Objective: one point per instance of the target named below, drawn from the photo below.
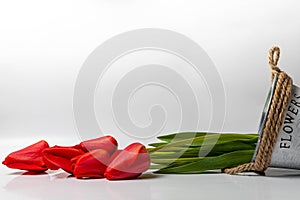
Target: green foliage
(197, 152)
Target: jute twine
(274, 119)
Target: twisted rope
(274, 119)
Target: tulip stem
(180, 152)
(213, 137)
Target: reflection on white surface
(59, 185)
(62, 186)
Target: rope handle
(274, 54)
(274, 119)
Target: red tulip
(60, 157)
(74, 160)
(114, 155)
(107, 143)
(54, 166)
(91, 164)
(129, 163)
(29, 158)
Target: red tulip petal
(71, 147)
(60, 157)
(129, 163)
(118, 175)
(49, 164)
(74, 160)
(114, 155)
(28, 167)
(91, 164)
(107, 143)
(28, 158)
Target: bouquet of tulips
(189, 152)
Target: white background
(44, 43)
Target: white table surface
(58, 185)
(278, 184)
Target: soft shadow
(149, 176)
(27, 173)
(142, 177)
(16, 173)
(179, 174)
(282, 173)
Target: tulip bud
(74, 160)
(29, 158)
(91, 164)
(114, 155)
(129, 163)
(50, 164)
(60, 157)
(107, 143)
